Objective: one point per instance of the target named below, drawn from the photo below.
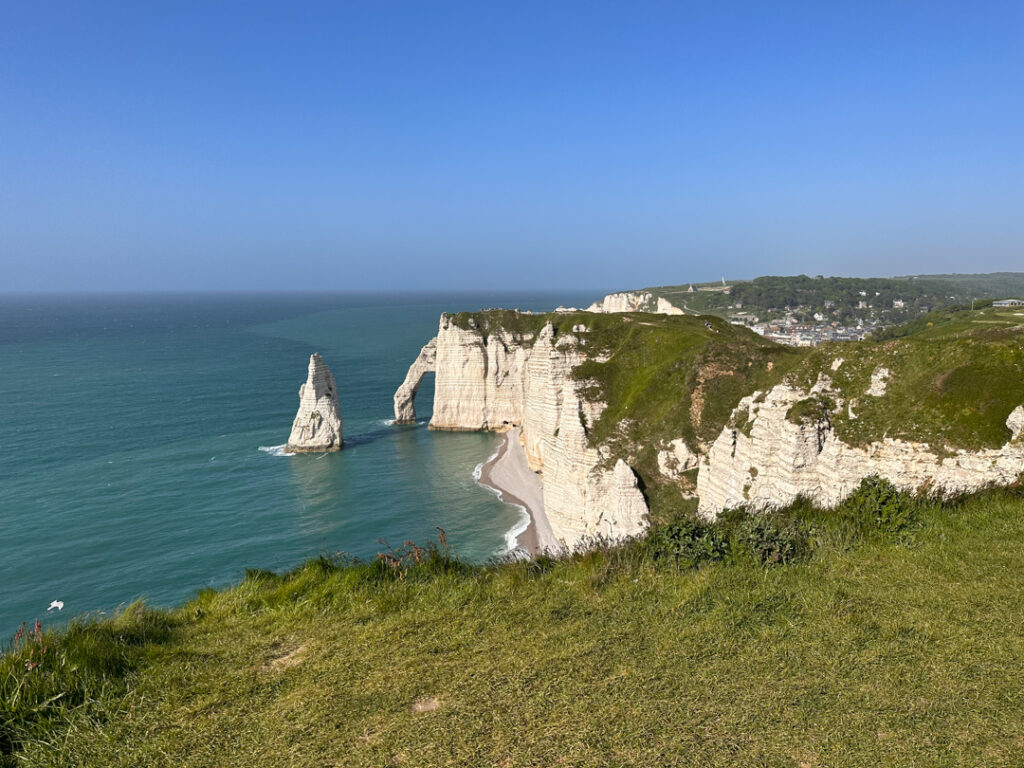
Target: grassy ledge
(797, 639)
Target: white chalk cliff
(772, 461)
(317, 425)
(405, 410)
(502, 380)
(634, 301)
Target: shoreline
(507, 474)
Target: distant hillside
(885, 301)
(993, 285)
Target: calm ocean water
(131, 434)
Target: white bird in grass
(58, 604)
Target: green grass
(955, 377)
(889, 644)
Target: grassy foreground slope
(879, 648)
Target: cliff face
(479, 383)
(317, 425)
(605, 399)
(496, 380)
(634, 301)
(777, 456)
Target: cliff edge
(633, 418)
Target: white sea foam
(275, 450)
(386, 422)
(478, 471)
(517, 530)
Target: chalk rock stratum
(317, 425)
(426, 360)
(504, 379)
(773, 461)
(634, 301)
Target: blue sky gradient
(437, 145)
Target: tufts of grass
(878, 634)
(49, 678)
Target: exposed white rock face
(317, 425)
(666, 307)
(676, 459)
(479, 382)
(582, 497)
(1015, 422)
(879, 382)
(780, 461)
(426, 360)
(505, 381)
(627, 301)
(634, 301)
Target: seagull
(58, 604)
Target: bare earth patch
(426, 704)
(288, 657)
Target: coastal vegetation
(950, 380)
(801, 638)
(847, 298)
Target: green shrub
(877, 504)
(688, 542)
(774, 541)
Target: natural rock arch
(405, 396)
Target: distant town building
(898, 304)
(1008, 303)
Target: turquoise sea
(138, 439)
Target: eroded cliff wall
(634, 301)
(777, 456)
(499, 379)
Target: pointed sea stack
(317, 425)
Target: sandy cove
(509, 474)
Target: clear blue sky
(432, 144)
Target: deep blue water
(131, 430)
